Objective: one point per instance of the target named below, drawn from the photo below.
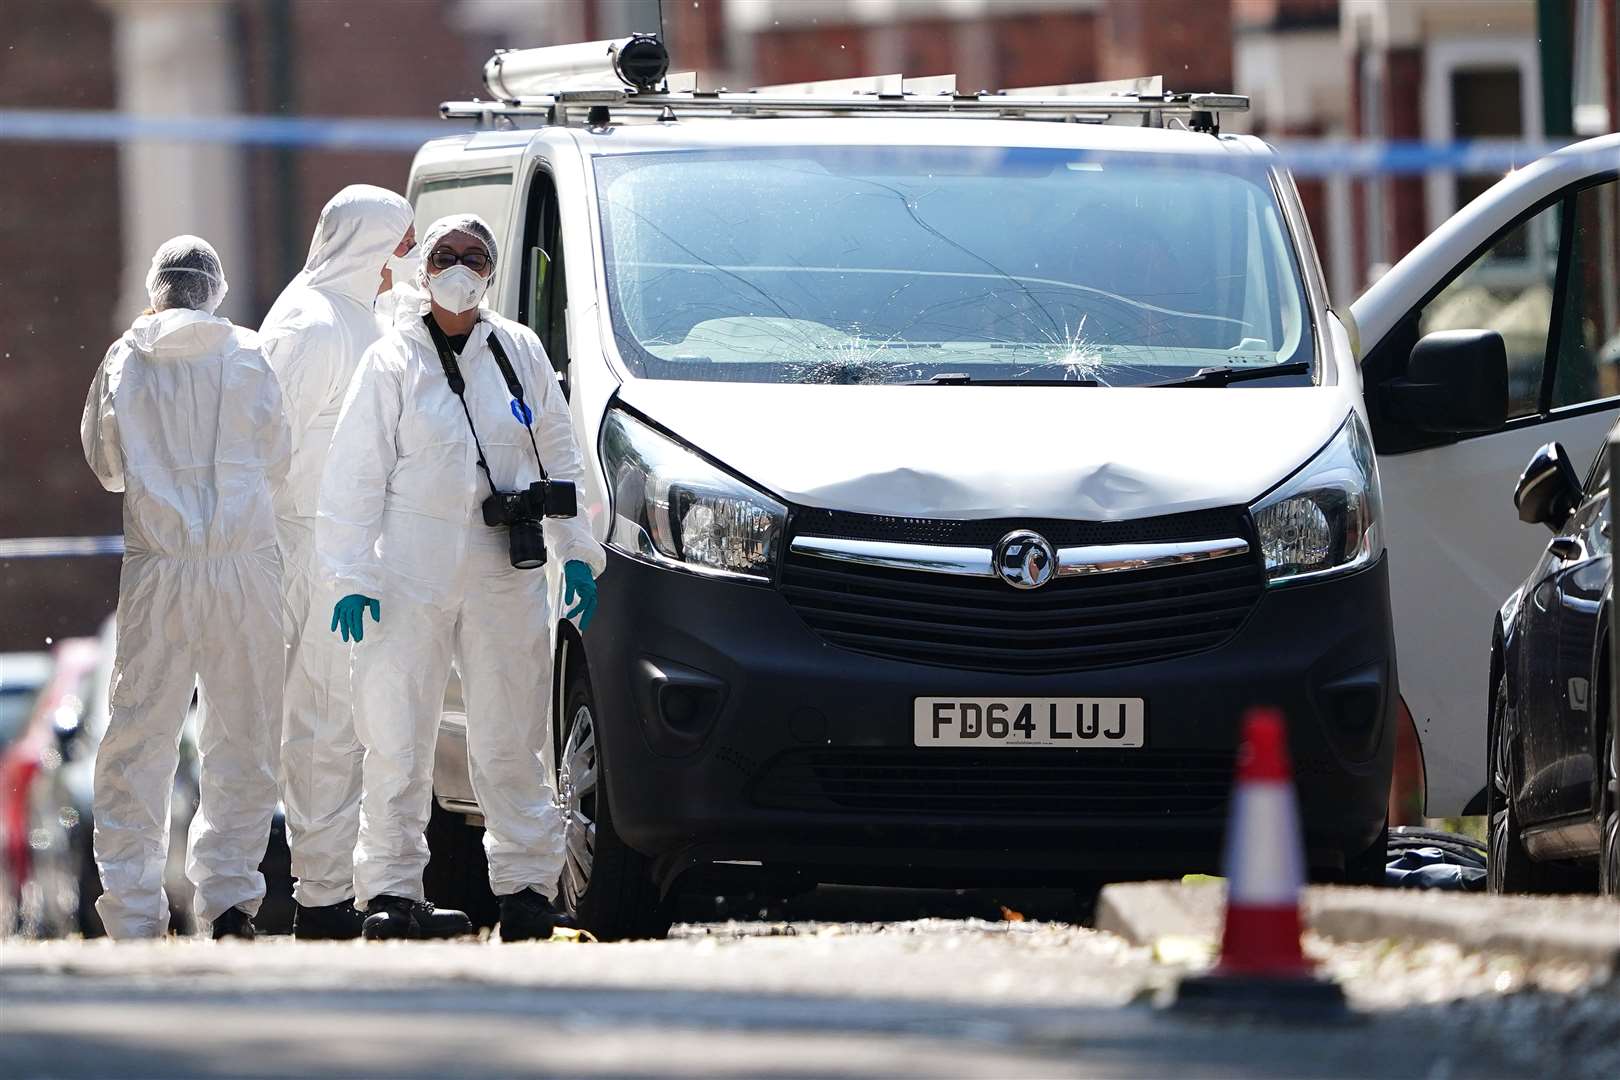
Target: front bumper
(715, 699)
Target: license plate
(1079, 723)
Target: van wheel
(606, 884)
(457, 874)
(1509, 867)
(1367, 867)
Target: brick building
(1439, 70)
(78, 221)
(60, 223)
(988, 44)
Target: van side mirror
(1456, 383)
(1548, 489)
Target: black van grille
(984, 532)
(1022, 782)
(1072, 624)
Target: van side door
(1546, 283)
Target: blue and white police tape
(303, 132)
(1304, 157)
(57, 547)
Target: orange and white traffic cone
(1262, 968)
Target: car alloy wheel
(576, 790)
(1509, 868)
(1609, 815)
(1501, 824)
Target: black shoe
(529, 916)
(235, 923)
(328, 922)
(391, 917)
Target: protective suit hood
(359, 228)
(180, 334)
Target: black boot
(235, 923)
(528, 916)
(390, 917)
(328, 922)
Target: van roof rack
(593, 108)
(592, 85)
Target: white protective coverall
(313, 338)
(400, 521)
(185, 418)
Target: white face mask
(457, 289)
(401, 267)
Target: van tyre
(1509, 867)
(606, 885)
(1367, 867)
(457, 874)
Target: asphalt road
(936, 997)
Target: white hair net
(186, 273)
(471, 224)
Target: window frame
(542, 228)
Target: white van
(965, 476)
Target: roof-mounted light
(639, 61)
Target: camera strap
(458, 386)
(520, 408)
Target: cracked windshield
(908, 265)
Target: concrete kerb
(1539, 929)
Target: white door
(1457, 548)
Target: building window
(1477, 88)
(1486, 103)
(1592, 73)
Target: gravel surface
(928, 997)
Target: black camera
(520, 513)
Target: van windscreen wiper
(962, 378)
(1223, 376)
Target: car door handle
(1564, 548)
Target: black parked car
(1554, 795)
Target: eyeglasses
(443, 258)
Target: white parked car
(1537, 258)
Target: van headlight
(672, 507)
(1324, 519)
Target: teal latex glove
(349, 614)
(581, 592)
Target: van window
(1550, 285)
(1588, 360)
(488, 195)
(543, 300)
(900, 264)
(1509, 289)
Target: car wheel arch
(1602, 713)
(1499, 677)
(568, 657)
